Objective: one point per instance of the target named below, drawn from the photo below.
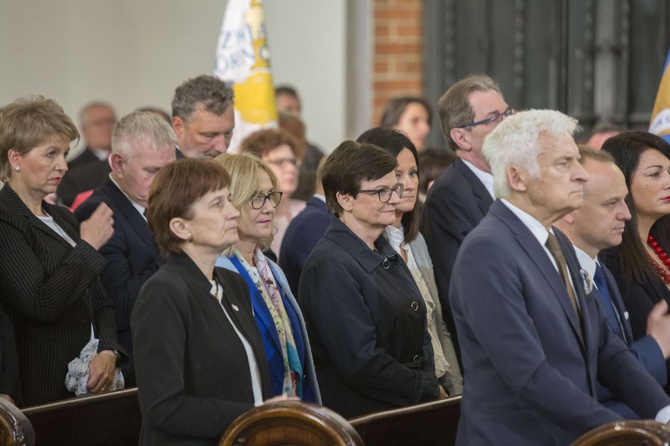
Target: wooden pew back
(111, 419)
(427, 424)
(290, 423)
(627, 433)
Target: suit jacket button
(415, 306)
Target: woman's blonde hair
(245, 184)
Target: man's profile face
(137, 172)
(205, 133)
(600, 222)
(559, 188)
(485, 104)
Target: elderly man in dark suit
(142, 143)
(598, 225)
(89, 169)
(469, 110)
(534, 344)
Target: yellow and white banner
(660, 116)
(243, 60)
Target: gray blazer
(453, 379)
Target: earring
(190, 237)
(17, 168)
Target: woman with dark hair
(406, 240)
(640, 264)
(49, 263)
(411, 115)
(254, 191)
(199, 358)
(364, 313)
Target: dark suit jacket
(51, 293)
(132, 256)
(367, 325)
(645, 349)
(454, 206)
(192, 370)
(302, 235)
(82, 178)
(530, 369)
(9, 360)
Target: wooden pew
(427, 424)
(290, 423)
(627, 433)
(111, 419)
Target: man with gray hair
(533, 346)
(203, 117)
(142, 143)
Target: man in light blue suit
(534, 346)
(599, 225)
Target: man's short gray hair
(516, 141)
(142, 126)
(207, 91)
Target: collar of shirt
(320, 197)
(485, 177)
(587, 263)
(533, 225)
(101, 154)
(340, 234)
(136, 205)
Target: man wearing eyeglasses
(469, 110)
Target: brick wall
(398, 63)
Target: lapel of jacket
(14, 203)
(128, 213)
(261, 310)
(247, 326)
(540, 258)
(484, 199)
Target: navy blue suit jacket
(645, 349)
(530, 370)
(302, 235)
(454, 206)
(132, 256)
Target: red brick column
(398, 62)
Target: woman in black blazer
(364, 313)
(49, 265)
(640, 264)
(199, 358)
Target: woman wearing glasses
(254, 193)
(407, 241)
(365, 315)
(278, 149)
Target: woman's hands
(101, 371)
(99, 228)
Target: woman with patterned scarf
(254, 193)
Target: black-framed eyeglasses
(259, 200)
(385, 193)
(495, 119)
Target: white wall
(134, 53)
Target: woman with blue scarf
(254, 193)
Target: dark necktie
(555, 250)
(606, 300)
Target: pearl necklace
(662, 268)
